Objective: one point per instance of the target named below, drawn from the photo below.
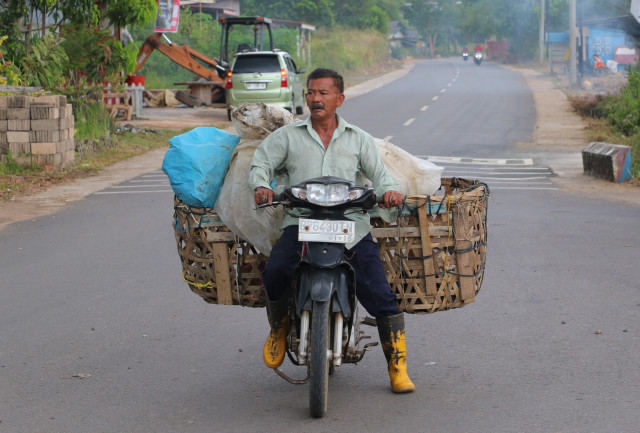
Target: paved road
(99, 333)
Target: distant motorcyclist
(598, 63)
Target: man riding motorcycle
(325, 144)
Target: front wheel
(319, 359)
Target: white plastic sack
(236, 203)
(414, 175)
(257, 120)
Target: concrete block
(607, 161)
(54, 159)
(68, 158)
(19, 101)
(3, 126)
(18, 136)
(3, 112)
(43, 148)
(23, 159)
(17, 149)
(3, 138)
(44, 136)
(46, 101)
(3, 102)
(18, 125)
(18, 114)
(45, 124)
(38, 113)
(64, 146)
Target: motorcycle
(323, 309)
(477, 58)
(465, 56)
(599, 66)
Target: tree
(318, 12)
(594, 9)
(427, 17)
(91, 30)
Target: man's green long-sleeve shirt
(298, 148)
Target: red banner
(168, 16)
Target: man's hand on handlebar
(264, 196)
(391, 199)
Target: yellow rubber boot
(392, 337)
(276, 345)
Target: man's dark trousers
(372, 288)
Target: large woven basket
(434, 255)
(216, 264)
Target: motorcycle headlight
(327, 195)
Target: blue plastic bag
(197, 162)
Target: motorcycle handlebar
(278, 199)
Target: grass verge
(16, 180)
(600, 129)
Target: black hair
(338, 81)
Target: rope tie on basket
(447, 298)
(207, 285)
(238, 265)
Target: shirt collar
(342, 124)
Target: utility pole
(541, 33)
(572, 43)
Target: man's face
(323, 98)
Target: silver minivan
(265, 76)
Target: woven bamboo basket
(433, 255)
(216, 264)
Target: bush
(623, 111)
(347, 50)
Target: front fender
(318, 284)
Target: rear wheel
(318, 360)
(188, 99)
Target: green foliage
(11, 166)
(43, 62)
(318, 12)
(348, 50)
(92, 121)
(9, 73)
(93, 53)
(119, 13)
(623, 111)
(86, 25)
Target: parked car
(265, 76)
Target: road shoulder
(560, 136)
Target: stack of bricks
(37, 130)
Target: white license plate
(256, 86)
(339, 232)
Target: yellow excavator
(211, 69)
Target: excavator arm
(182, 55)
